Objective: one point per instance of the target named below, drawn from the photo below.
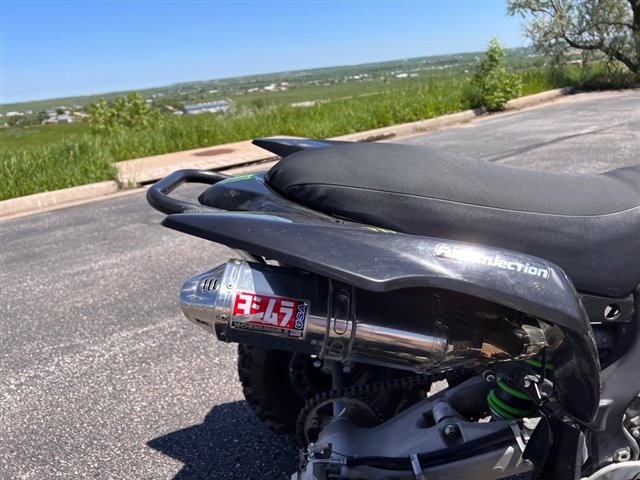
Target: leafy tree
(495, 83)
(608, 26)
(130, 112)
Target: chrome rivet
(612, 312)
(622, 455)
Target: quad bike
(403, 313)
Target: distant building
(211, 107)
(64, 118)
(274, 87)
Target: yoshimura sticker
(268, 314)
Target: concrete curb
(219, 157)
(537, 98)
(405, 129)
(48, 200)
(232, 158)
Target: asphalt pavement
(101, 377)
(582, 133)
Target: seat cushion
(587, 224)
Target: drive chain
(362, 392)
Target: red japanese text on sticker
(286, 313)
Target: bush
(124, 113)
(605, 76)
(495, 84)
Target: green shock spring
(509, 403)
(534, 362)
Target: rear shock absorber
(508, 402)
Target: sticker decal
(281, 316)
(237, 179)
(473, 255)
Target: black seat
(587, 224)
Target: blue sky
(53, 49)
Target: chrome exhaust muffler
(279, 308)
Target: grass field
(515, 57)
(42, 158)
(40, 135)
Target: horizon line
(233, 77)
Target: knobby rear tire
(267, 387)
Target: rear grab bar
(158, 194)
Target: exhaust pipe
(279, 308)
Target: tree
(496, 85)
(130, 112)
(608, 26)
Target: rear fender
(381, 260)
(286, 146)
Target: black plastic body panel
(250, 193)
(286, 146)
(380, 260)
(620, 386)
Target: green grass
(337, 90)
(45, 158)
(64, 164)
(40, 135)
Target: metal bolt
(622, 455)
(312, 450)
(346, 369)
(315, 422)
(317, 363)
(546, 389)
(489, 376)
(635, 432)
(350, 410)
(451, 431)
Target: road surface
(101, 377)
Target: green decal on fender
(235, 179)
